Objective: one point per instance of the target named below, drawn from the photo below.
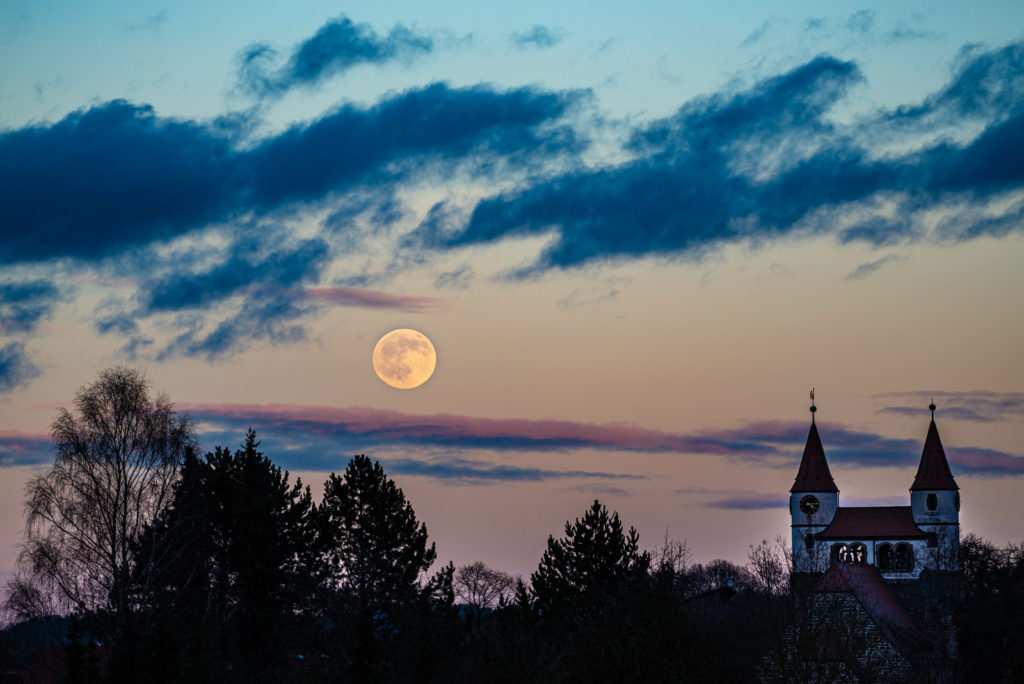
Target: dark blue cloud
(749, 502)
(268, 316)
(282, 268)
(976, 406)
(984, 85)
(117, 176)
(16, 368)
(755, 165)
(336, 47)
(108, 178)
(23, 448)
(538, 37)
(24, 304)
(866, 269)
(472, 470)
(314, 451)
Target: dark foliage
(226, 606)
(990, 621)
(595, 613)
(594, 563)
(240, 577)
(383, 620)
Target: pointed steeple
(814, 475)
(933, 472)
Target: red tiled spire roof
(814, 475)
(933, 473)
(872, 522)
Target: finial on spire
(931, 407)
(813, 407)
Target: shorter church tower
(813, 501)
(935, 502)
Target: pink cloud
(468, 430)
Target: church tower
(813, 501)
(935, 502)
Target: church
(900, 541)
(886, 575)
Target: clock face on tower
(809, 504)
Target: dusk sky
(636, 238)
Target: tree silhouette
(375, 548)
(594, 562)
(230, 600)
(374, 559)
(479, 587)
(117, 459)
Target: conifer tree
(595, 561)
(388, 620)
(375, 548)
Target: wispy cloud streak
(16, 368)
(978, 406)
(768, 443)
(24, 448)
(374, 299)
(336, 47)
(384, 426)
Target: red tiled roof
(871, 591)
(876, 522)
(814, 475)
(933, 473)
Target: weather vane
(813, 407)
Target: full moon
(404, 358)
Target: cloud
(268, 307)
(864, 270)
(460, 470)
(861, 22)
(978, 406)
(153, 22)
(120, 181)
(537, 37)
(322, 438)
(768, 162)
(597, 489)
(24, 304)
(267, 316)
(373, 299)
(116, 176)
(776, 444)
(985, 85)
(16, 368)
(757, 34)
(279, 269)
(362, 427)
(24, 448)
(336, 47)
(457, 279)
(749, 502)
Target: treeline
(145, 562)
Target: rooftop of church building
(874, 522)
(814, 475)
(933, 472)
(870, 590)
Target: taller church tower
(813, 501)
(935, 502)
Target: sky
(636, 239)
